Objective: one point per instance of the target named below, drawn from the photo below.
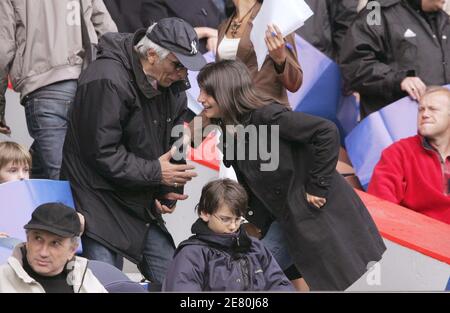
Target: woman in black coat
(286, 161)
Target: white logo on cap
(194, 47)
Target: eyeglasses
(178, 66)
(226, 220)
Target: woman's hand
(275, 43)
(318, 202)
(3, 235)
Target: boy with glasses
(220, 256)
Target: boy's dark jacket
(223, 262)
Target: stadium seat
(114, 280)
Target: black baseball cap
(180, 38)
(56, 218)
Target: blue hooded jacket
(223, 262)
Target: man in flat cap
(117, 154)
(47, 261)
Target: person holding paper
(281, 70)
(329, 234)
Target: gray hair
(146, 44)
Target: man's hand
(175, 174)
(4, 129)
(163, 209)
(318, 202)
(414, 86)
(3, 235)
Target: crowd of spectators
(103, 85)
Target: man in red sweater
(415, 172)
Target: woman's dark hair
(223, 192)
(231, 86)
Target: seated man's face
(168, 71)
(433, 118)
(48, 253)
(432, 5)
(14, 171)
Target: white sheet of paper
(288, 15)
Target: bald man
(415, 172)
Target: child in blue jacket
(220, 256)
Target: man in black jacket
(117, 153)
(395, 50)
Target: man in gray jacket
(43, 46)
(47, 261)
(395, 49)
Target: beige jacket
(41, 41)
(13, 277)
